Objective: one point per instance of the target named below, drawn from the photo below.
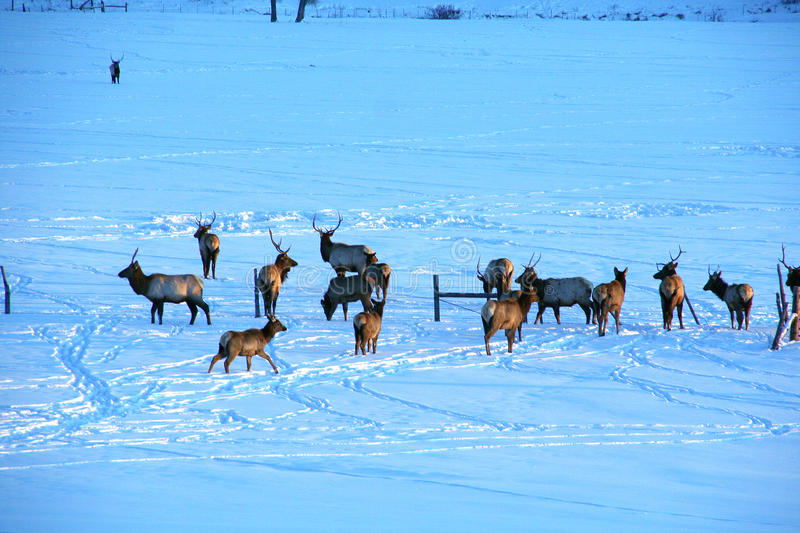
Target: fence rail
(437, 294)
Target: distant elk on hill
(114, 68)
(209, 246)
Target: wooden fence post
(436, 315)
(795, 333)
(7, 291)
(255, 292)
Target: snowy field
(594, 144)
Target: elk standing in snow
(344, 289)
(497, 275)
(367, 327)
(247, 344)
(506, 315)
(209, 246)
(270, 277)
(343, 257)
(738, 297)
(793, 277)
(607, 298)
(380, 272)
(114, 68)
(160, 288)
(525, 281)
(670, 290)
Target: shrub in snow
(444, 12)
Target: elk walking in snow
(737, 296)
(160, 288)
(270, 277)
(343, 257)
(670, 290)
(247, 343)
(367, 327)
(607, 298)
(114, 68)
(497, 275)
(209, 246)
(380, 272)
(506, 315)
(344, 289)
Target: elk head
(131, 270)
(668, 269)
(203, 228)
(283, 261)
(713, 279)
(325, 232)
(528, 275)
(793, 278)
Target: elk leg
(557, 312)
(263, 355)
(249, 362)
(214, 264)
(492, 330)
(730, 310)
(519, 332)
(539, 315)
(680, 314)
(231, 357)
(216, 358)
(374, 344)
(153, 309)
(739, 317)
(204, 306)
(616, 319)
(193, 309)
(586, 311)
(747, 315)
(510, 337)
(274, 303)
(344, 308)
(160, 312)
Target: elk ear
(675, 264)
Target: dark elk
(380, 272)
(160, 288)
(497, 275)
(270, 277)
(607, 299)
(506, 315)
(670, 290)
(114, 68)
(343, 257)
(345, 289)
(367, 327)
(558, 292)
(247, 343)
(793, 278)
(209, 246)
(737, 296)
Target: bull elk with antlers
(160, 288)
(270, 277)
(497, 275)
(342, 257)
(209, 246)
(114, 68)
(793, 277)
(737, 296)
(670, 290)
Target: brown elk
(670, 290)
(342, 257)
(345, 289)
(793, 277)
(160, 288)
(209, 246)
(506, 315)
(247, 343)
(270, 277)
(114, 68)
(607, 298)
(367, 327)
(497, 275)
(380, 272)
(737, 296)
(526, 282)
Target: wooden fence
(437, 294)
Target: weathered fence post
(7, 291)
(436, 314)
(255, 292)
(795, 333)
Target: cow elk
(737, 296)
(160, 288)
(209, 246)
(247, 343)
(380, 272)
(270, 277)
(497, 275)
(507, 315)
(114, 68)
(670, 290)
(607, 299)
(343, 257)
(367, 327)
(793, 277)
(345, 289)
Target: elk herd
(507, 312)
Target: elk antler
(213, 219)
(673, 259)
(277, 245)
(134, 255)
(324, 230)
(783, 258)
(478, 268)
(529, 265)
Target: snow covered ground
(596, 144)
